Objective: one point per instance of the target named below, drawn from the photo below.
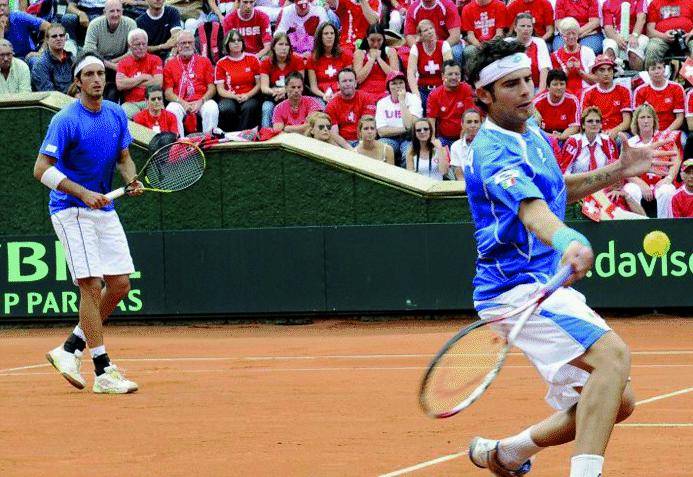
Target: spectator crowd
(384, 78)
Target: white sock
(79, 333)
(98, 351)
(514, 451)
(586, 465)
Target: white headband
(89, 60)
(502, 67)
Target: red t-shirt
(238, 75)
(276, 74)
(581, 10)
(353, 22)
(485, 20)
(689, 103)
(327, 68)
(671, 15)
(430, 66)
(541, 11)
(667, 101)
(443, 14)
(165, 122)
(560, 59)
(255, 30)
(611, 12)
(345, 113)
(285, 114)
(560, 116)
(446, 107)
(374, 83)
(132, 68)
(188, 79)
(682, 203)
(612, 103)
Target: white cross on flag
(431, 67)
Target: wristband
(564, 236)
(52, 178)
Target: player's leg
(559, 428)
(117, 265)
(516, 451)
(115, 289)
(75, 230)
(562, 331)
(608, 362)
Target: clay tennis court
(333, 398)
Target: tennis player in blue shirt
(85, 143)
(518, 196)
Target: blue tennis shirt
(502, 169)
(86, 146)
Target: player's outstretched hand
(636, 161)
(94, 200)
(581, 258)
(136, 188)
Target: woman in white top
(368, 144)
(395, 114)
(427, 156)
(657, 184)
(425, 63)
(537, 50)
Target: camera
(679, 44)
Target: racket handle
(114, 194)
(558, 279)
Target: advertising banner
(349, 269)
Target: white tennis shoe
(68, 365)
(484, 454)
(112, 381)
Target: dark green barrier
(391, 268)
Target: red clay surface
(335, 398)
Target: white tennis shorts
(94, 242)
(560, 330)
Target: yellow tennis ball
(656, 243)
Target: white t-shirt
(458, 152)
(389, 114)
(428, 168)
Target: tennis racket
(469, 362)
(171, 168)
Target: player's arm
(49, 175)
(576, 250)
(634, 161)
(126, 167)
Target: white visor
(502, 67)
(89, 60)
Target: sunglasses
(422, 129)
(324, 127)
(156, 98)
(58, 35)
(593, 121)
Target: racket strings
(461, 369)
(175, 167)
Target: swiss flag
(687, 70)
(591, 208)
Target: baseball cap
(602, 60)
(392, 75)
(687, 163)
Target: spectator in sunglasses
(52, 71)
(427, 156)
